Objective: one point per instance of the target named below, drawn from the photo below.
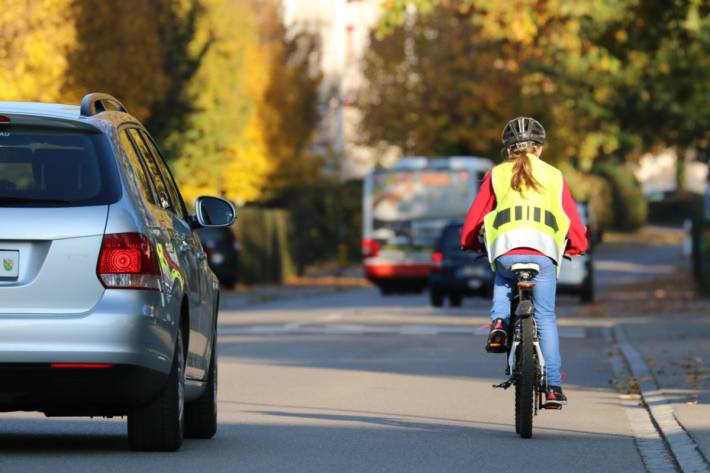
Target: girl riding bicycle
(528, 216)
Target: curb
(682, 446)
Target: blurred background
(285, 106)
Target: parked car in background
(222, 248)
(577, 276)
(455, 273)
(107, 305)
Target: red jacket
(485, 202)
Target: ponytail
(523, 177)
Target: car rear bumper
(109, 391)
(462, 285)
(384, 271)
(128, 328)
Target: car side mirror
(214, 212)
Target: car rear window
(451, 239)
(56, 167)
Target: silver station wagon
(107, 305)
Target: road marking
(419, 330)
(340, 329)
(564, 332)
(682, 446)
(350, 329)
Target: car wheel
(587, 294)
(228, 283)
(455, 299)
(201, 414)
(160, 425)
(436, 297)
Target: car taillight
(128, 261)
(437, 260)
(370, 248)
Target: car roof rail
(98, 102)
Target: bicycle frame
(524, 295)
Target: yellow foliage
(224, 151)
(35, 36)
(120, 51)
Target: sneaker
(498, 337)
(554, 398)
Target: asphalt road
(354, 382)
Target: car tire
(201, 414)
(587, 294)
(436, 297)
(228, 283)
(160, 425)
(455, 299)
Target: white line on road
(564, 332)
(681, 444)
(349, 329)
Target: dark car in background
(222, 248)
(456, 274)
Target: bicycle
(525, 364)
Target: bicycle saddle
(532, 267)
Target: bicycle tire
(525, 387)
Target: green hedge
(324, 215)
(305, 225)
(267, 252)
(630, 207)
(594, 190)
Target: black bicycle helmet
(523, 130)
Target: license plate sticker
(9, 264)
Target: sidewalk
(678, 352)
(670, 328)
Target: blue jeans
(544, 300)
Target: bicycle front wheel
(525, 387)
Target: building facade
(344, 28)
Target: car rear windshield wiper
(28, 200)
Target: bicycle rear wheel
(525, 387)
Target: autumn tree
(290, 108)
(120, 51)
(35, 38)
(608, 78)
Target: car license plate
(474, 283)
(10, 264)
(472, 271)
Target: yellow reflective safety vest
(531, 219)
